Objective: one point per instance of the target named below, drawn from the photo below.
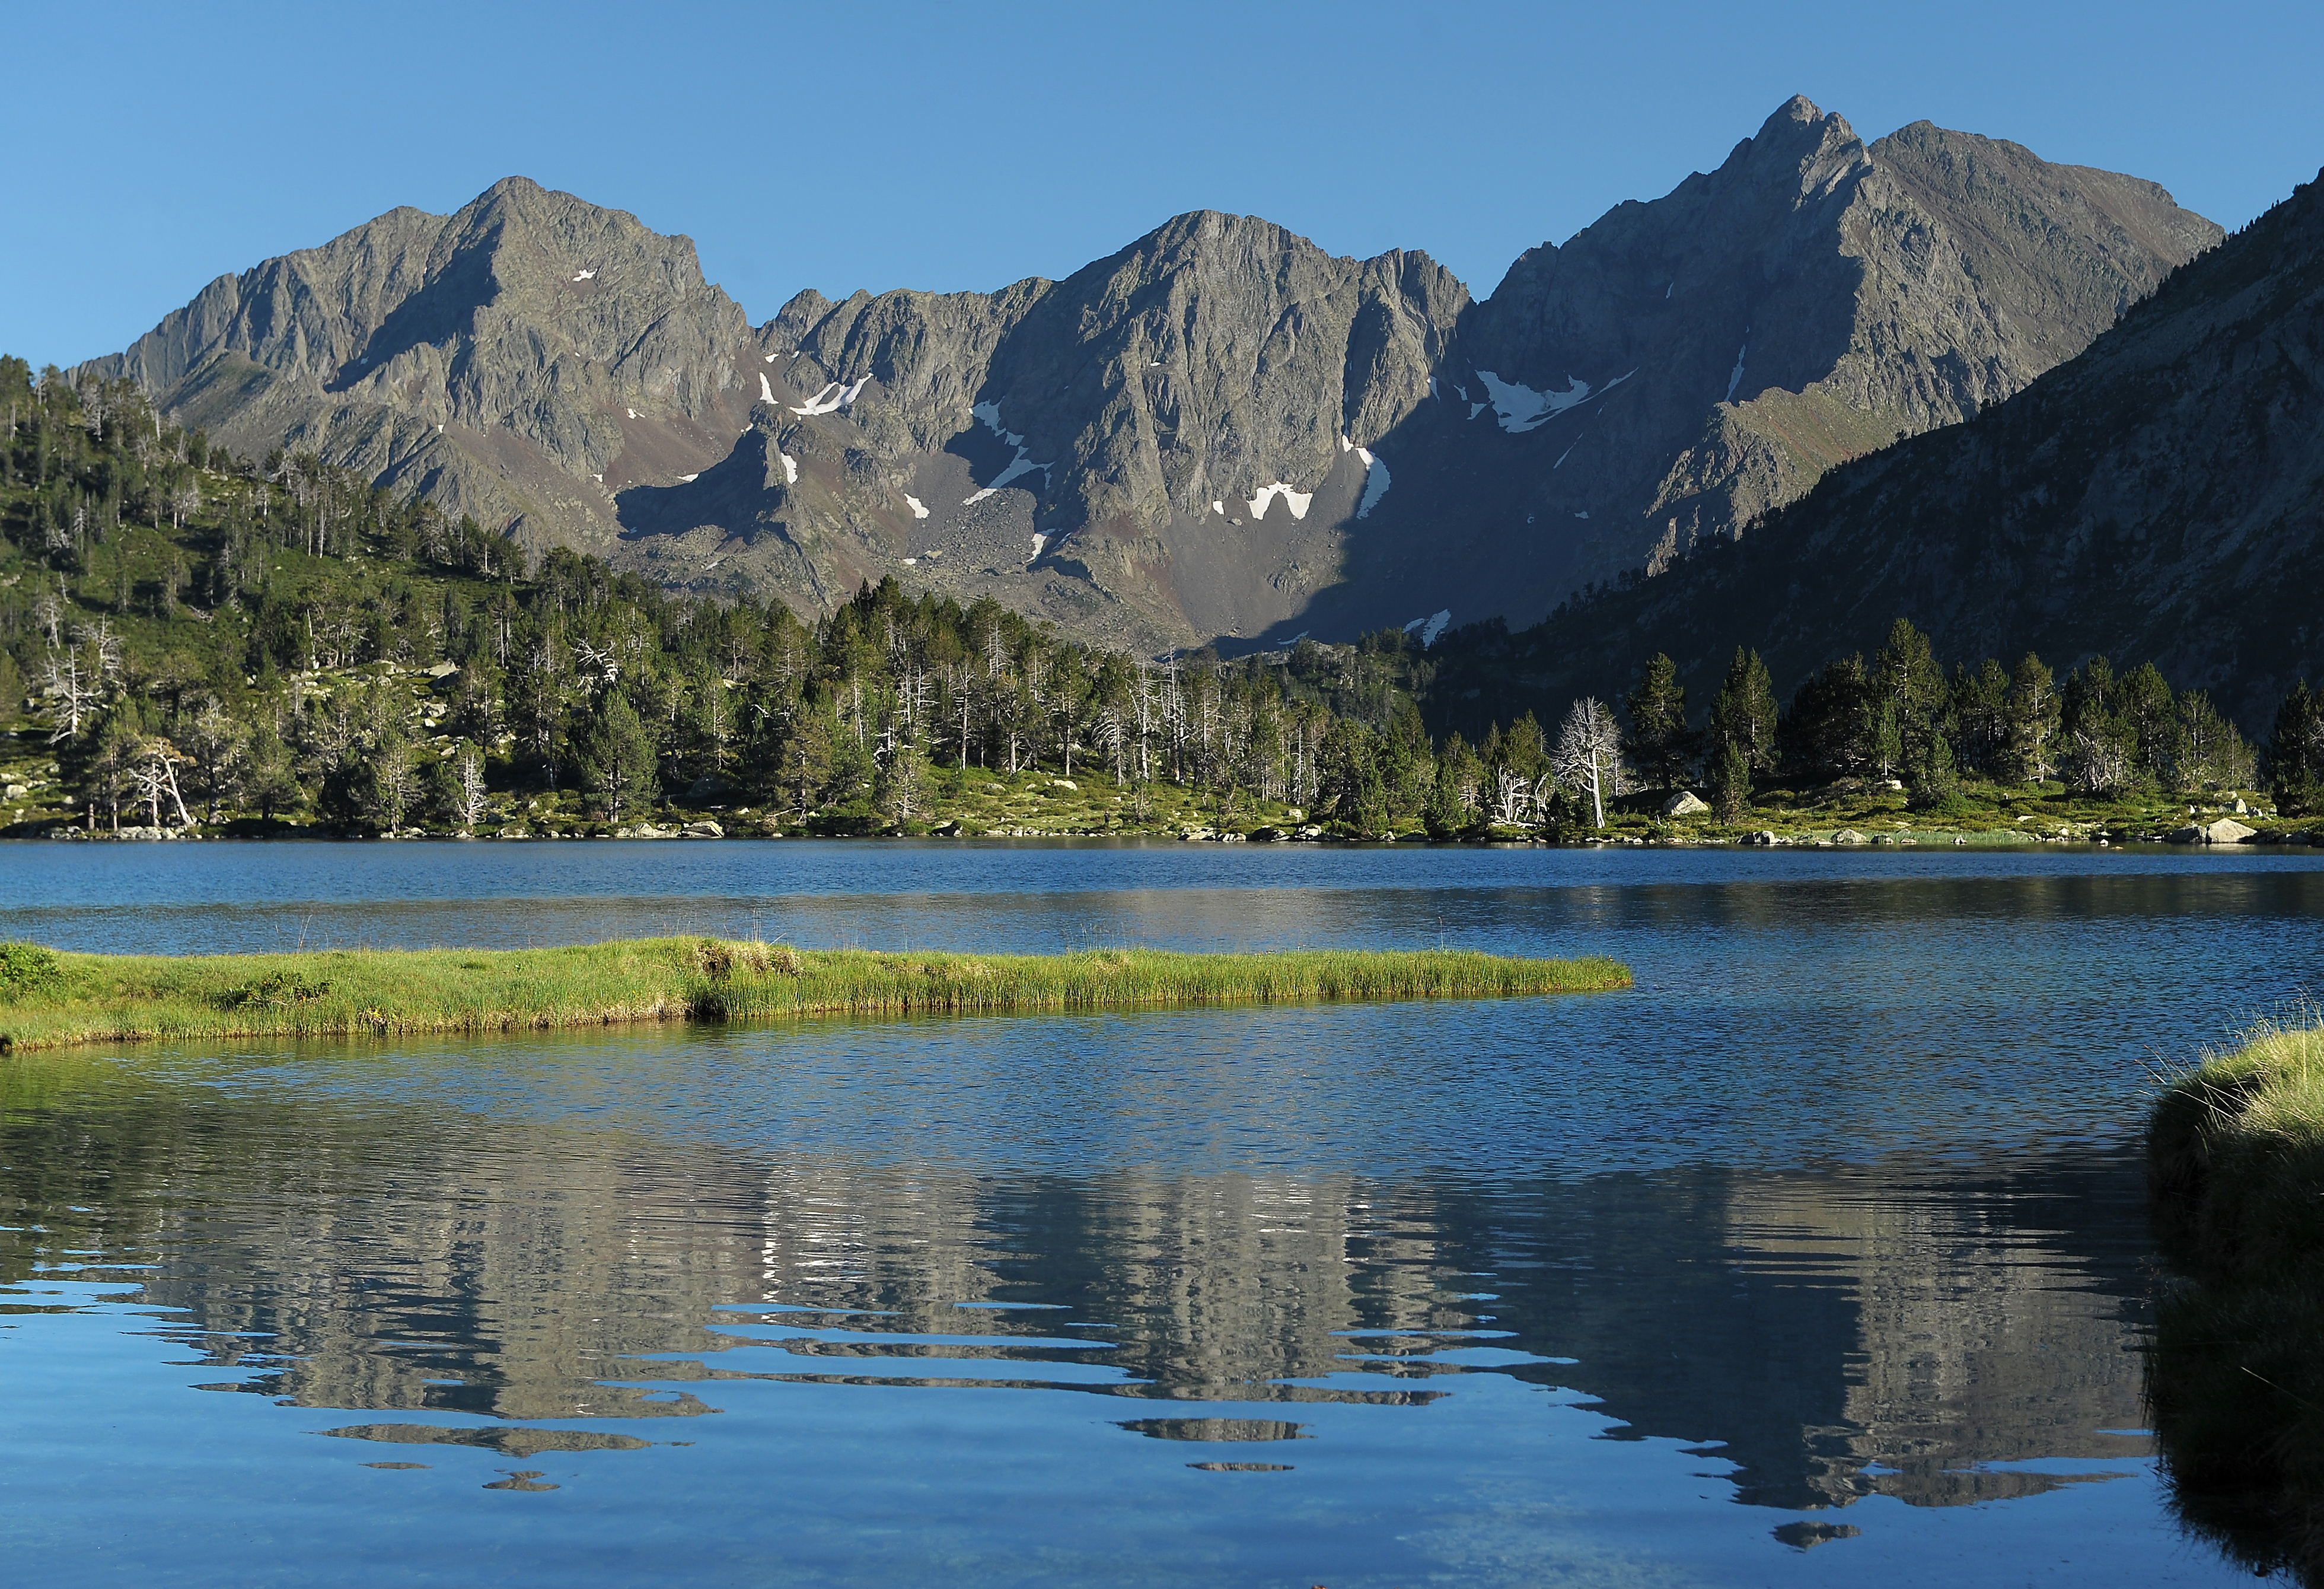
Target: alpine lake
(1819, 1257)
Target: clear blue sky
(838, 145)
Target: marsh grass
(2235, 1373)
(49, 1000)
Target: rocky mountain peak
(1220, 431)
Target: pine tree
(617, 758)
(901, 791)
(1730, 781)
(2033, 720)
(1910, 683)
(2295, 752)
(1659, 743)
(1743, 714)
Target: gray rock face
(507, 359)
(1686, 803)
(2155, 498)
(1682, 366)
(1220, 432)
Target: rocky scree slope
(2160, 497)
(1221, 432)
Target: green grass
(1984, 814)
(51, 1000)
(2235, 1169)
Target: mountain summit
(2157, 497)
(1222, 432)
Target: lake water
(1819, 1257)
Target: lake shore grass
(2236, 1174)
(50, 998)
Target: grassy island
(50, 998)
(2236, 1171)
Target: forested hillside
(193, 640)
(192, 643)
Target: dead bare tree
(469, 795)
(1589, 753)
(156, 776)
(74, 696)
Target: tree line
(1899, 716)
(199, 636)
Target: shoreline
(2234, 1157)
(51, 999)
(2271, 838)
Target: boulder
(1849, 835)
(706, 828)
(1686, 803)
(2226, 830)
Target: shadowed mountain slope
(2161, 497)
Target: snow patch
(1375, 482)
(990, 414)
(1268, 494)
(1038, 543)
(1219, 508)
(1567, 453)
(766, 392)
(1345, 444)
(1518, 408)
(829, 401)
(911, 562)
(1475, 409)
(583, 275)
(1581, 515)
(1430, 627)
(1736, 379)
(833, 397)
(1432, 385)
(688, 479)
(771, 358)
(919, 509)
(791, 468)
(1670, 288)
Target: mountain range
(2158, 497)
(1220, 434)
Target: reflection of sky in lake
(1835, 1216)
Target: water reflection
(1903, 1328)
(1833, 1216)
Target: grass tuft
(2236, 1373)
(104, 998)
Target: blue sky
(950, 146)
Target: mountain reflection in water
(1897, 1328)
